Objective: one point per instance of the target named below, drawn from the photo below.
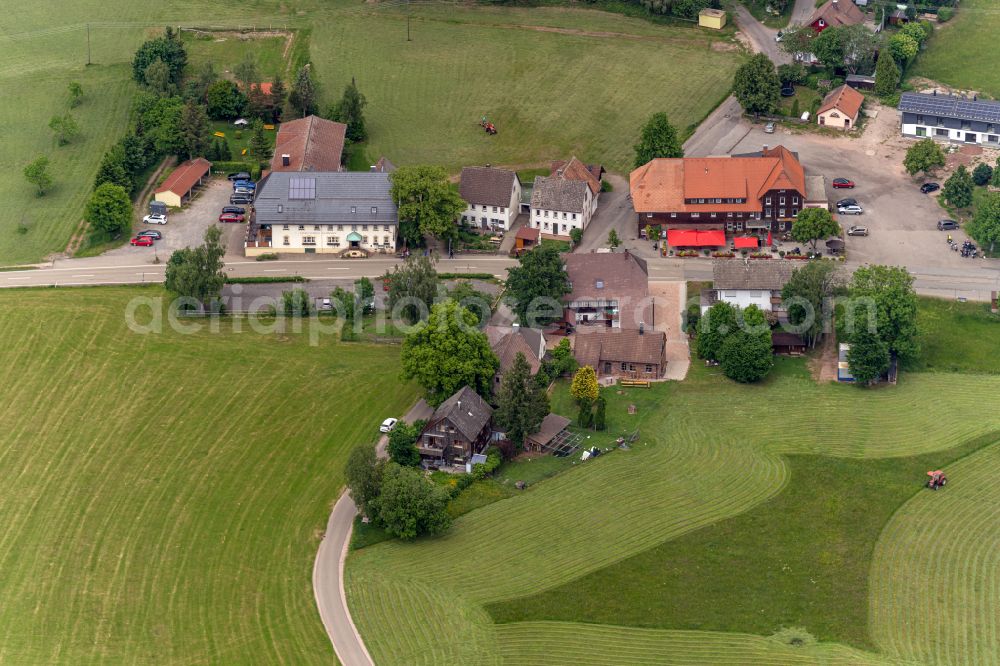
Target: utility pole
(88, 43)
(408, 20)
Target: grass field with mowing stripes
(960, 51)
(164, 495)
(936, 570)
(689, 469)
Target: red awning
(745, 241)
(769, 242)
(695, 238)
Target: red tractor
(936, 479)
(488, 126)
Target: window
(781, 201)
(993, 138)
(503, 209)
(966, 124)
(795, 200)
(494, 209)
(329, 227)
(649, 368)
(624, 366)
(537, 212)
(574, 216)
(374, 210)
(317, 227)
(713, 214)
(941, 132)
(631, 366)
(546, 213)
(285, 227)
(354, 209)
(767, 201)
(940, 121)
(564, 227)
(364, 239)
(781, 212)
(701, 201)
(795, 211)
(364, 227)
(385, 227)
(729, 226)
(920, 120)
(767, 213)
(671, 215)
(385, 240)
(782, 225)
(308, 240)
(284, 241)
(564, 216)
(739, 226)
(695, 214)
(340, 227)
(302, 227)
(546, 226)
(921, 131)
(729, 214)
(331, 241)
(354, 227)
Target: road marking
(85, 275)
(14, 278)
(275, 270)
(338, 269)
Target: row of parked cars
(243, 190)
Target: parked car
(141, 241)
(850, 210)
(325, 304)
(927, 188)
(239, 210)
(154, 219)
(847, 202)
(388, 425)
(769, 128)
(947, 225)
(239, 175)
(231, 217)
(779, 36)
(243, 190)
(843, 183)
(247, 184)
(149, 233)
(241, 199)
(857, 231)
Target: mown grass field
(708, 451)
(960, 50)
(164, 495)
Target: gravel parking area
(186, 227)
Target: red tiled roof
(837, 13)
(663, 184)
(527, 233)
(615, 345)
(312, 144)
(185, 176)
(576, 170)
(843, 98)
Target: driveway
(670, 300)
(614, 211)
(186, 227)
(761, 37)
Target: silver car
(851, 210)
(857, 231)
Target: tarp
(745, 241)
(695, 238)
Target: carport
(178, 187)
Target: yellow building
(712, 18)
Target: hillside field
(556, 82)
(961, 50)
(164, 495)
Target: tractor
(488, 126)
(936, 479)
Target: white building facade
(493, 196)
(559, 206)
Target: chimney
(460, 405)
(642, 328)
(286, 160)
(935, 92)
(765, 148)
(516, 326)
(373, 168)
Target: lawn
(969, 37)
(238, 139)
(164, 494)
(958, 337)
(806, 96)
(690, 468)
(225, 50)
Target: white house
(493, 196)
(746, 283)
(323, 212)
(559, 206)
(950, 118)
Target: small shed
(712, 18)
(176, 190)
(526, 238)
(860, 81)
(545, 439)
(840, 108)
(783, 342)
(843, 368)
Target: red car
(231, 217)
(141, 241)
(843, 183)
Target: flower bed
(723, 255)
(760, 255)
(688, 253)
(796, 256)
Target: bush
(982, 174)
(945, 13)
(493, 459)
(252, 168)
(268, 256)
(600, 419)
(264, 279)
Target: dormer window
(354, 209)
(281, 208)
(374, 210)
(599, 284)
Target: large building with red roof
(309, 144)
(757, 193)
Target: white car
(154, 219)
(850, 210)
(388, 425)
(779, 36)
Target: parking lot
(186, 228)
(902, 222)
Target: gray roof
(558, 194)
(859, 78)
(325, 197)
(487, 186)
(736, 274)
(950, 106)
(466, 411)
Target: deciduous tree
(859, 45)
(110, 208)
(37, 173)
(426, 200)
(813, 225)
(225, 101)
(363, 474)
(535, 286)
(756, 85)
(658, 139)
(829, 47)
(982, 174)
(957, 190)
(409, 505)
(719, 321)
(158, 79)
(805, 294)
(402, 447)
(478, 303)
(75, 94)
(890, 289)
(197, 272)
(868, 358)
(168, 49)
(412, 288)
(64, 128)
(925, 155)
(985, 225)
(449, 352)
(613, 240)
(903, 48)
(522, 404)
(112, 169)
(246, 72)
(584, 385)
(746, 355)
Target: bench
(638, 383)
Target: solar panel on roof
(301, 188)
